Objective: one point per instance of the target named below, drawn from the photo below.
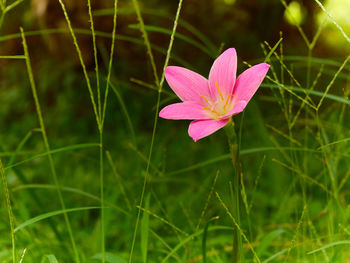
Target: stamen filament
(227, 99)
(213, 111)
(217, 86)
(206, 99)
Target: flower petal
(222, 74)
(249, 81)
(202, 128)
(237, 108)
(187, 110)
(188, 85)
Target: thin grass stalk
(146, 39)
(301, 31)
(9, 210)
(102, 117)
(235, 190)
(47, 146)
(23, 254)
(110, 60)
(92, 28)
(237, 226)
(103, 259)
(119, 179)
(159, 84)
(82, 63)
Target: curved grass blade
(177, 35)
(48, 153)
(125, 111)
(191, 238)
(204, 240)
(53, 213)
(337, 243)
(312, 92)
(68, 189)
(82, 31)
(162, 14)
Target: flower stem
(237, 255)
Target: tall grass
(162, 198)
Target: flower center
(219, 107)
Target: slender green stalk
(159, 84)
(110, 60)
(95, 58)
(47, 146)
(98, 117)
(9, 211)
(301, 31)
(332, 81)
(146, 39)
(119, 179)
(102, 199)
(97, 109)
(238, 228)
(237, 248)
(102, 117)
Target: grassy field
(90, 173)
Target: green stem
(102, 198)
(233, 144)
(47, 146)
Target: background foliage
(294, 146)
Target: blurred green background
(289, 169)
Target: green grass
(94, 176)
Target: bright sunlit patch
(294, 13)
(230, 2)
(339, 10)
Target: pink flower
(211, 103)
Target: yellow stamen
(217, 86)
(213, 111)
(227, 99)
(205, 99)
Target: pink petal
(237, 108)
(187, 110)
(202, 128)
(188, 85)
(222, 74)
(249, 81)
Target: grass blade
(145, 229)
(47, 146)
(159, 84)
(51, 214)
(9, 210)
(343, 242)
